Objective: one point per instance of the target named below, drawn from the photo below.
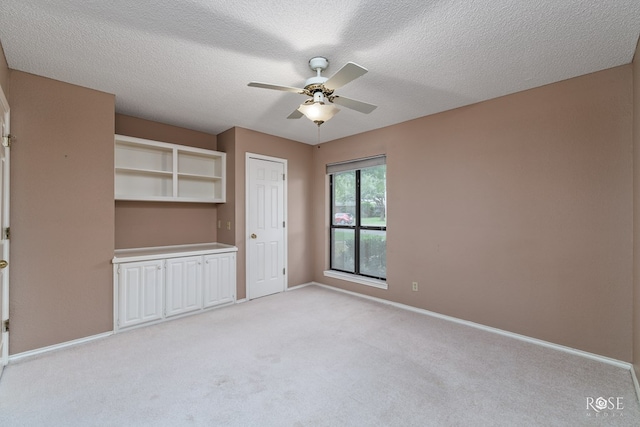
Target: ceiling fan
(319, 107)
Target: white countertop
(162, 252)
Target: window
(358, 229)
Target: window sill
(356, 279)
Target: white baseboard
(635, 382)
(574, 351)
(240, 301)
(304, 285)
(38, 351)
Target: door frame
(4, 286)
(248, 157)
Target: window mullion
(331, 221)
(356, 261)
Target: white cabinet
(219, 275)
(154, 284)
(159, 171)
(140, 292)
(183, 285)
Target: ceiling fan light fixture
(318, 112)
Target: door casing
(4, 225)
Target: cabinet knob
(3, 264)
(253, 236)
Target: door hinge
(5, 326)
(7, 233)
(283, 224)
(7, 139)
(283, 271)
(283, 177)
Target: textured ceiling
(187, 63)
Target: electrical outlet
(414, 286)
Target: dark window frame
(357, 227)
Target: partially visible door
(265, 226)
(4, 229)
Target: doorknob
(253, 236)
(3, 264)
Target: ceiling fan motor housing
(314, 81)
(317, 64)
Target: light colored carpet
(311, 357)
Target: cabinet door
(140, 287)
(184, 285)
(219, 279)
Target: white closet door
(266, 239)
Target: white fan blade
(349, 72)
(276, 87)
(295, 115)
(360, 106)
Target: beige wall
(514, 213)
(299, 162)
(143, 224)
(141, 128)
(636, 210)
(61, 212)
(227, 211)
(4, 72)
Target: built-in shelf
(159, 171)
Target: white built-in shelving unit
(159, 171)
